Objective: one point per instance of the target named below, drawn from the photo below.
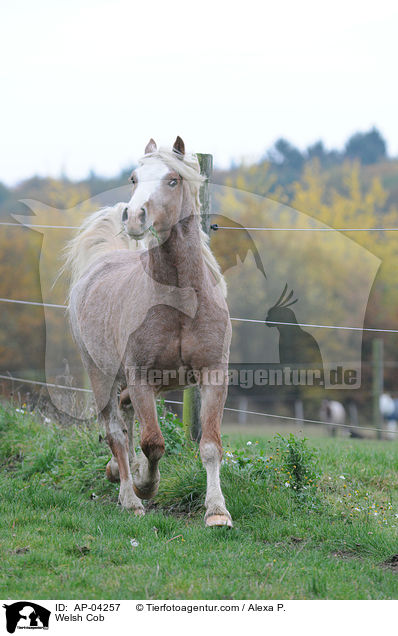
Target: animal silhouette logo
(26, 615)
(240, 243)
(296, 346)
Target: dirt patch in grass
(391, 563)
(12, 463)
(20, 550)
(343, 554)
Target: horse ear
(179, 147)
(150, 147)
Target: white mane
(102, 232)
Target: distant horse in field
(389, 411)
(334, 414)
(145, 317)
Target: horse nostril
(125, 215)
(142, 216)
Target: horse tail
(101, 233)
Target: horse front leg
(213, 400)
(145, 467)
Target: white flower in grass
(287, 484)
(134, 543)
(341, 477)
(20, 411)
(229, 454)
(249, 443)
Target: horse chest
(203, 342)
(168, 340)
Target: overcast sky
(85, 83)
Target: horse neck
(179, 260)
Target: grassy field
(315, 527)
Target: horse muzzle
(135, 223)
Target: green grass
(321, 540)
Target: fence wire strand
(251, 320)
(216, 227)
(46, 227)
(257, 413)
(307, 229)
(32, 302)
(307, 324)
(55, 386)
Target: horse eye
(173, 183)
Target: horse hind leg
(125, 413)
(119, 465)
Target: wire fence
(250, 320)
(216, 227)
(256, 413)
(224, 227)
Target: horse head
(162, 185)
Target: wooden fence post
(299, 415)
(206, 169)
(191, 407)
(377, 383)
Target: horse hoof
(139, 512)
(216, 521)
(110, 474)
(146, 494)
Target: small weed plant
(298, 461)
(172, 429)
(288, 461)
